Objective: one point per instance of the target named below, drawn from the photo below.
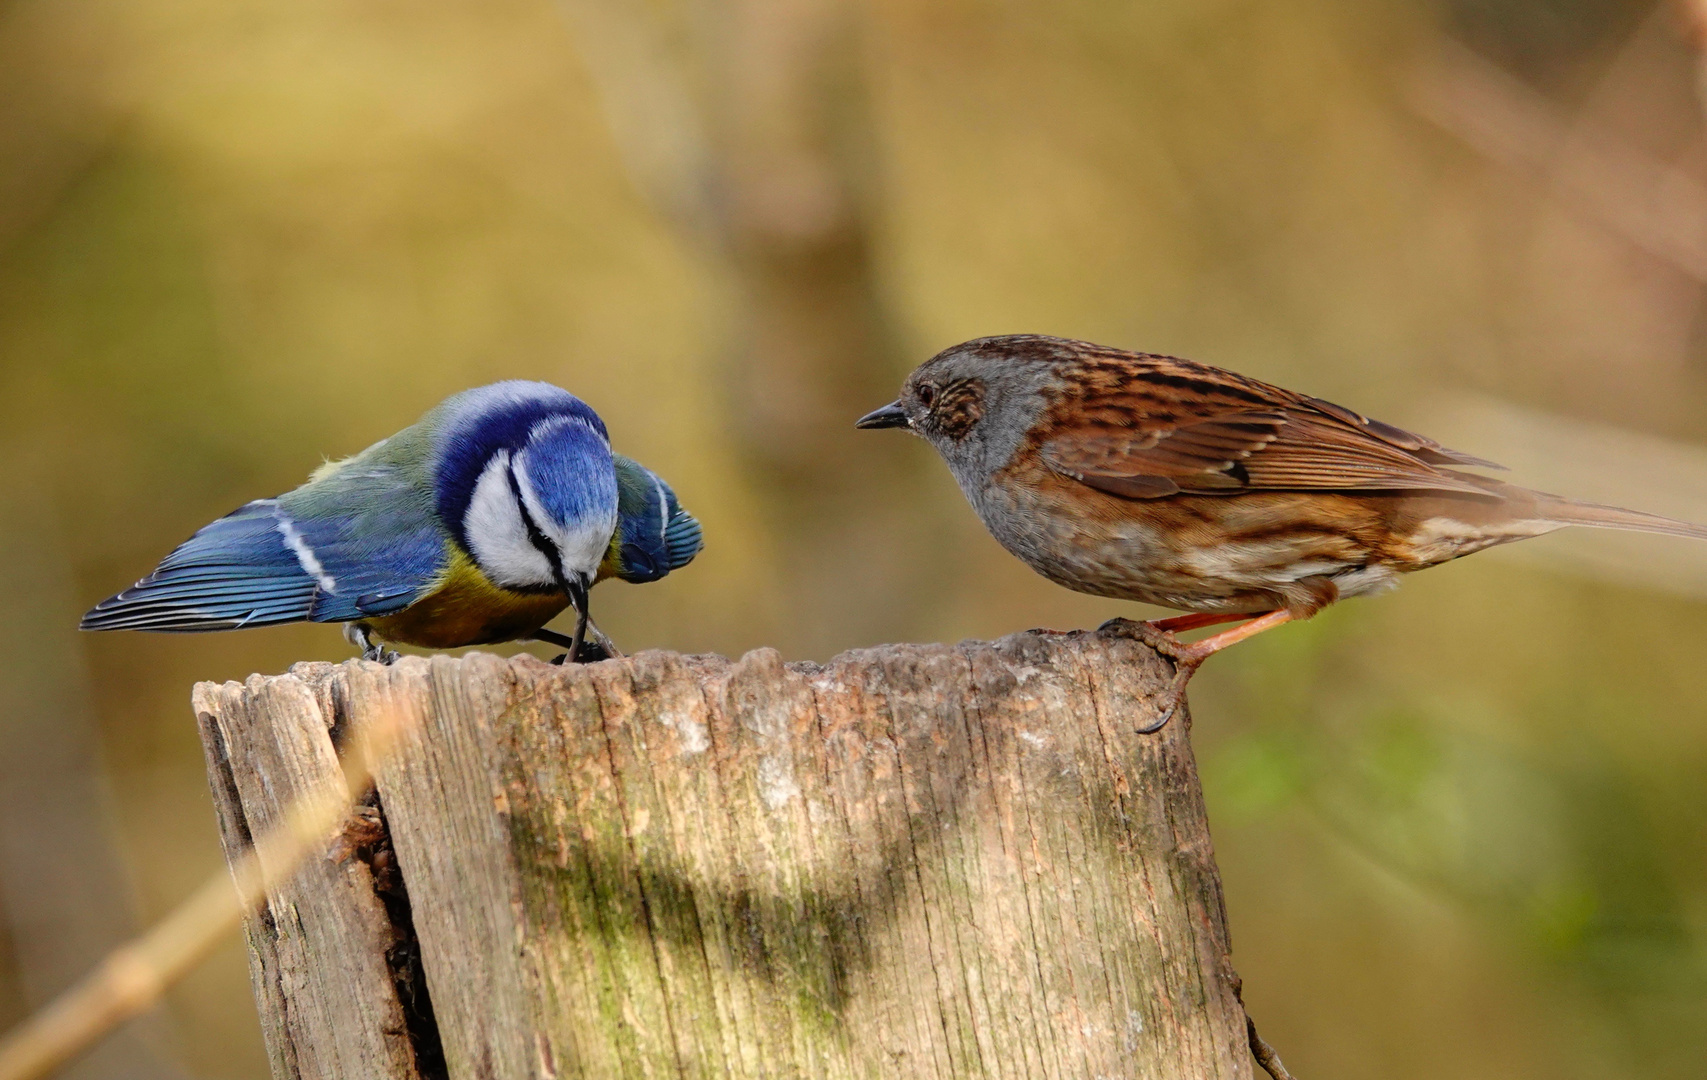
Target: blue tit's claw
(590, 650)
(361, 636)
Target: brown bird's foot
(361, 637)
(1159, 635)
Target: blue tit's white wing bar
(371, 534)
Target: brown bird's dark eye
(927, 395)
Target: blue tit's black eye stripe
(536, 535)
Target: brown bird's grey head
(975, 402)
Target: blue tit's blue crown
(568, 461)
(524, 482)
(478, 424)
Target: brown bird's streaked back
(1145, 425)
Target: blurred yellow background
(1463, 828)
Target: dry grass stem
(1264, 1053)
(1660, 209)
(133, 977)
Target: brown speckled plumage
(1158, 479)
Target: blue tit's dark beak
(891, 415)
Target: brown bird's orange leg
(1176, 623)
(1188, 658)
(1199, 651)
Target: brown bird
(1146, 477)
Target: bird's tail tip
(1599, 516)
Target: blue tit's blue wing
(683, 538)
(236, 572)
(368, 531)
(353, 542)
(654, 534)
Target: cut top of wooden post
(913, 861)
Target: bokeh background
(1463, 828)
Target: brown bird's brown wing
(1162, 426)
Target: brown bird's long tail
(1570, 512)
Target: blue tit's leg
(552, 637)
(361, 636)
(578, 596)
(598, 645)
(602, 640)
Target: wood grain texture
(913, 861)
(317, 950)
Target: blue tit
(479, 523)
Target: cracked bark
(949, 861)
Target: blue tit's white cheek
(582, 542)
(497, 535)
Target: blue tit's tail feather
(238, 571)
(683, 539)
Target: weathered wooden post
(911, 861)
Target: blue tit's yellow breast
(464, 607)
(611, 564)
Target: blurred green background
(1463, 828)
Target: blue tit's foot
(361, 636)
(596, 646)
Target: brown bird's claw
(1159, 635)
(1156, 636)
(1185, 666)
(1162, 641)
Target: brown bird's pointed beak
(891, 415)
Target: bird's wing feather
(356, 541)
(372, 533)
(1167, 426)
(234, 572)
